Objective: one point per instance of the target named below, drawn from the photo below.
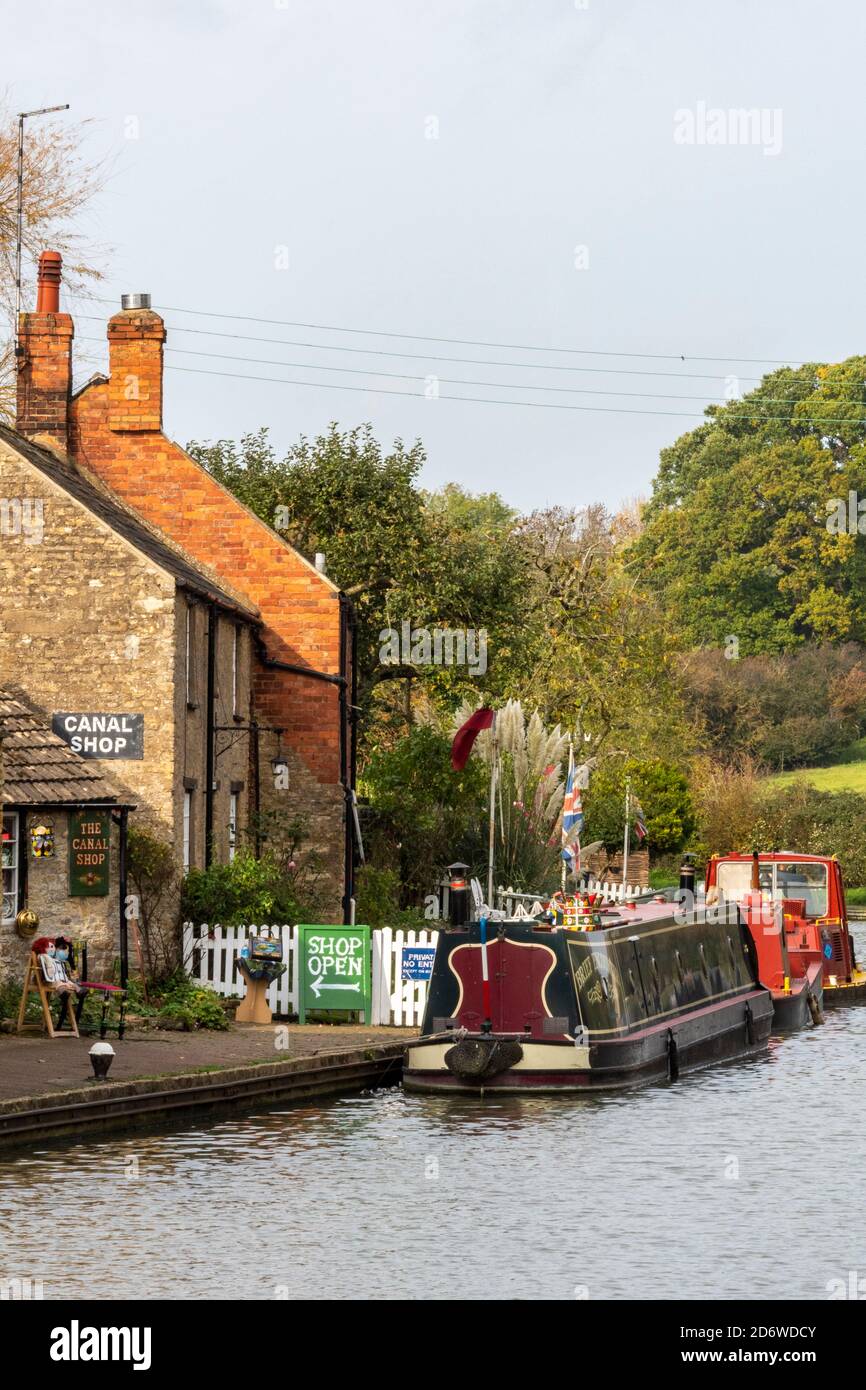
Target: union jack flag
(639, 822)
(572, 805)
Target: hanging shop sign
(102, 735)
(89, 850)
(335, 970)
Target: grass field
(846, 775)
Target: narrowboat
(625, 995)
(795, 904)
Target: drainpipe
(257, 785)
(346, 760)
(209, 735)
(122, 888)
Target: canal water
(746, 1181)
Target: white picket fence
(531, 904)
(210, 957)
(396, 1001)
(616, 891)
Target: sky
(561, 190)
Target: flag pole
(625, 835)
(494, 752)
(564, 868)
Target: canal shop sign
(335, 970)
(89, 849)
(101, 735)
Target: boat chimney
(687, 874)
(458, 895)
(755, 884)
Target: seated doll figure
(57, 963)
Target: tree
(405, 556)
(662, 791)
(597, 653)
(422, 814)
(785, 710)
(748, 534)
(60, 181)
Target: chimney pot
(48, 283)
(44, 355)
(135, 301)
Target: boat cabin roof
(776, 856)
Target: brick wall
(299, 607)
(44, 378)
(114, 428)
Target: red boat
(794, 905)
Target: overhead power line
(457, 381)
(477, 400)
(467, 342)
(434, 357)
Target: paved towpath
(35, 1066)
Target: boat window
(735, 878)
(807, 881)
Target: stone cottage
(135, 588)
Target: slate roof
(188, 573)
(36, 767)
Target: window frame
(234, 806)
(13, 869)
(191, 702)
(186, 834)
(236, 713)
(771, 869)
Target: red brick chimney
(44, 383)
(135, 341)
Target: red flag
(466, 736)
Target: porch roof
(36, 767)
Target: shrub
(154, 877)
(377, 898)
(738, 813)
(194, 1006)
(246, 890)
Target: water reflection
(742, 1181)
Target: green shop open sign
(335, 970)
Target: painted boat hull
(792, 1010)
(845, 992)
(641, 1001)
(701, 1041)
